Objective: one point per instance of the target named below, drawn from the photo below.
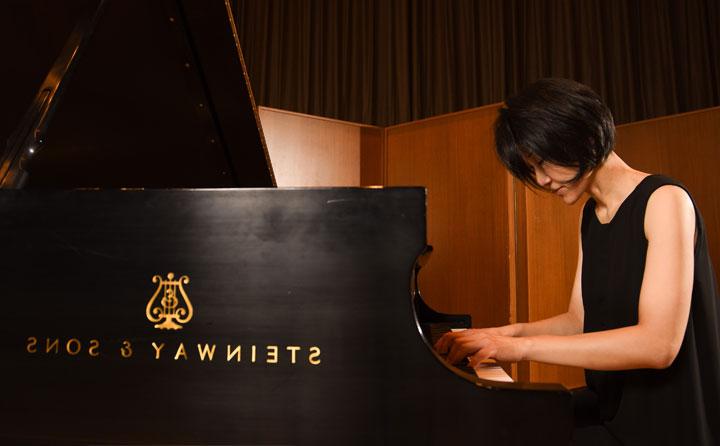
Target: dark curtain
(389, 61)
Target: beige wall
(310, 151)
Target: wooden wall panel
(372, 157)
(468, 219)
(310, 151)
(551, 250)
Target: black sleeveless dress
(679, 405)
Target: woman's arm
(663, 310)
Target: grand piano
(158, 289)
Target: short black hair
(556, 120)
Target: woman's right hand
(481, 343)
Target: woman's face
(559, 180)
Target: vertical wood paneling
(551, 249)
(372, 156)
(518, 264)
(453, 157)
(308, 151)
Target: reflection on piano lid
(151, 94)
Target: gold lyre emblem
(170, 312)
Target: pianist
(643, 315)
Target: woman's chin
(568, 197)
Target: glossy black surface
(327, 268)
(428, 318)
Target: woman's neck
(611, 184)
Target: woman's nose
(541, 178)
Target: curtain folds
(385, 62)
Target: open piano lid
(151, 94)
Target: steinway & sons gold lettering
(72, 347)
(170, 308)
(203, 352)
(270, 354)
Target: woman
(643, 318)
